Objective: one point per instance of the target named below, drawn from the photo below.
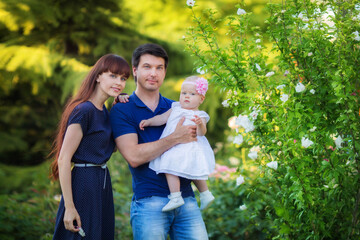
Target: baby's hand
(197, 120)
(122, 98)
(144, 123)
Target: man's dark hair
(149, 48)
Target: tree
(46, 49)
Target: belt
(103, 166)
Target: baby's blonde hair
(191, 78)
(201, 84)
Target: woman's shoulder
(84, 108)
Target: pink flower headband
(201, 85)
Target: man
(149, 63)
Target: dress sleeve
(203, 114)
(80, 115)
(175, 105)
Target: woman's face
(112, 84)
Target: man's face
(150, 72)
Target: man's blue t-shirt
(125, 119)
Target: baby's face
(189, 98)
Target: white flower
(327, 17)
(338, 142)
(258, 46)
(273, 165)
(243, 207)
(305, 142)
(257, 66)
(269, 74)
(283, 11)
(284, 97)
(190, 3)
(240, 11)
(300, 87)
(253, 155)
(312, 129)
(279, 143)
(245, 122)
(326, 186)
(240, 180)
(258, 40)
(310, 54)
(57, 197)
(254, 114)
(225, 103)
(200, 71)
(280, 86)
(255, 148)
(312, 91)
(236, 103)
(356, 35)
(238, 139)
(303, 18)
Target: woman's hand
(70, 216)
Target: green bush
(29, 216)
(299, 111)
(237, 213)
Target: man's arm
(137, 154)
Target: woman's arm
(71, 142)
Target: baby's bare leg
(173, 182)
(201, 185)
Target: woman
(84, 139)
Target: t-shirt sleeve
(203, 114)
(121, 120)
(80, 115)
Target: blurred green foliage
(46, 48)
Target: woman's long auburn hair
(107, 63)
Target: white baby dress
(194, 160)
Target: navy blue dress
(91, 186)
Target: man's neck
(149, 98)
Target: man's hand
(184, 134)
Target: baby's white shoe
(175, 201)
(206, 198)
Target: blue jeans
(148, 222)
